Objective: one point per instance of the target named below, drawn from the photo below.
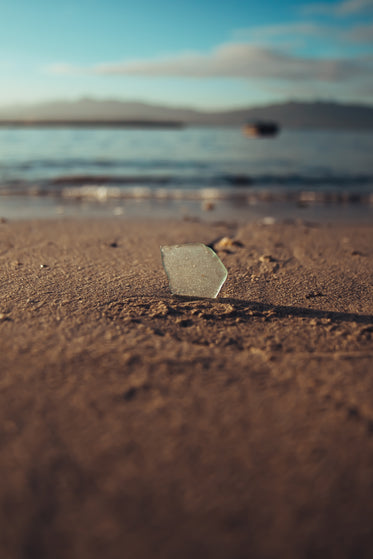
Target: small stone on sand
(227, 243)
(208, 206)
(267, 258)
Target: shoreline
(206, 206)
(141, 424)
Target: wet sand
(136, 424)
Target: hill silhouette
(312, 115)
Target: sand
(138, 425)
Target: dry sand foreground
(138, 425)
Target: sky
(207, 54)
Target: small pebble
(268, 220)
(227, 242)
(313, 294)
(267, 258)
(208, 206)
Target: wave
(220, 180)
(89, 163)
(97, 191)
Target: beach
(138, 424)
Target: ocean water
(62, 170)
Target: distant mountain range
(317, 115)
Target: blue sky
(197, 53)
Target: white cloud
(345, 8)
(271, 58)
(290, 36)
(233, 60)
(293, 35)
(62, 68)
(264, 33)
(360, 34)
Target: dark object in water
(257, 129)
(238, 180)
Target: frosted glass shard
(193, 270)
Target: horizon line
(88, 98)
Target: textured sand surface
(135, 424)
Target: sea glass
(193, 270)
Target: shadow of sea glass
(193, 270)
